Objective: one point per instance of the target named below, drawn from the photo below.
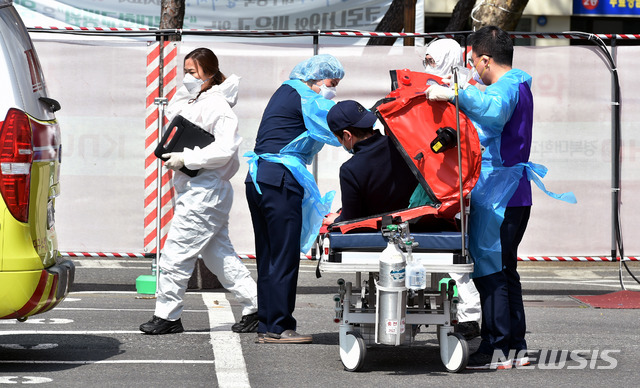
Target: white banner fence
(102, 84)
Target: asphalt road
(92, 339)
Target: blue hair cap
(321, 66)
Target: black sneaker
(248, 324)
(485, 361)
(161, 326)
(469, 329)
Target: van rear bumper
(27, 293)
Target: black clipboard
(180, 134)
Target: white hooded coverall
(200, 223)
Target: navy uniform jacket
(375, 180)
(282, 121)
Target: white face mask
(349, 150)
(436, 70)
(192, 84)
(476, 77)
(327, 92)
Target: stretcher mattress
(375, 242)
(360, 252)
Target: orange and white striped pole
(158, 203)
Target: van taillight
(16, 155)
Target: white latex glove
(439, 93)
(462, 81)
(448, 79)
(175, 162)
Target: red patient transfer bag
(412, 122)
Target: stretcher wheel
(352, 351)
(454, 352)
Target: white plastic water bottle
(416, 276)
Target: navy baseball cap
(349, 113)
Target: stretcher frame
(356, 304)
(356, 307)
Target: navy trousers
(503, 319)
(276, 215)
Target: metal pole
(161, 101)
(156, 260)
(615, 156)
(314, 163)
(458, 136)
(316, 37)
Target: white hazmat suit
(200, 223)
(447, 53)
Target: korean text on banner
(215, 14)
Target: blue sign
(542, 20)
(606, 7)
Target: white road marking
(38, 321)
(87, 362)
(24, 380)
(49, 321)
(113, 264)
(228, 360)
(189, 292)
(607, 283)
(27, 347)
(231, 370)
(103, 292)
(579, 274)
(129, 310)
(84, 332)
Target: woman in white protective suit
(440, 56)
(201, 214)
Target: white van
(33, 278)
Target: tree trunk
(393, 21)
(502, 13)
(460, 17)
(172, 16)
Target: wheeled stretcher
(436, 236)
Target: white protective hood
(446, 53)
(228, 89)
